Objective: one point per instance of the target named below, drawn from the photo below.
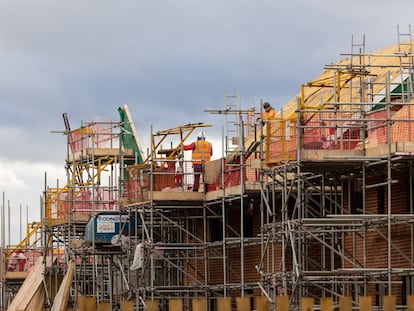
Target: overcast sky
(169, 61)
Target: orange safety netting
(235, 175)
(85, 201)
(94, 136)
(281, 140)
(402, 129)
(138, 182)
(401, 126)
(168, 176)
(376, 128)
(23, 260)
(325, 130)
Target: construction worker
(268, 113)
(202, 152)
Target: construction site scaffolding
(75, 222)
(337, 167)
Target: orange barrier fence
(23, 260)
(280, 140)
(60, 202)
(167, 178)
(326, 129)
(402, 128)
(336, 129)
(92, 136)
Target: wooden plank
(30, 286)
(76, 217)
(38, 300)
(177, 196)
(99, 153)
(212, 171)
(62, 296)
(19, 275)
(214, 195)
(380, 150)
(405, 147)
(331, 155)
(395, 147)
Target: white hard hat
(201, 134)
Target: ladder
(358, 66)
(232, 104)
(405, 54)
(404, 39)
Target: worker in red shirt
(202, 152)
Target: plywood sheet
(282, 303)
(345, 303)
(152, 305)
(365, 303)
(86, 303)
(224, 304)
(327, 304)
(410, 303)
(199, 304)
(175, 305)
(261, 303)
(307, 303)
(243, 303)
(212, 171)
(389, 303)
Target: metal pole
(3, 252)
(242, 281)
(20, 217)
(8, 222)
(223, 212)
(152, 259)
(27, 217)
(389, 181)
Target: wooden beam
(29, 289)
(62, 296)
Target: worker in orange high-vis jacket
(269, 113)
(202, 152)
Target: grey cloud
(167, 60)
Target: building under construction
(311, 209)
